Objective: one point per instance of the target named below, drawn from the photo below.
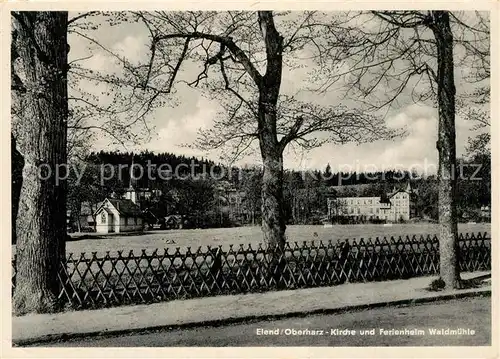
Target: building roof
(403, 187)
(358, 190)
(107, 210)
(125, 207)
(173, 218)
(370, 190)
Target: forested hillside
(202, 188)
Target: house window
(103, 217)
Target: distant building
(118, 215)
(137, 195)
(230, 201)
(115, 215)
(84, 221)
(486, 213)
(399, 204)
(174, 221)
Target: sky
(177, 125)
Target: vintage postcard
(275, 179)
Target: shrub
(437, 285)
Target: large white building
(399, 204)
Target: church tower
(131, 192)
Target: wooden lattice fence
(92, 281)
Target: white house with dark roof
(118, 215)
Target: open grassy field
(251, 235)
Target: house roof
(101, 209)
(107, 210)
(173, 217)
(124, 206)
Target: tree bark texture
(273, 219)
(273, 216)
(447, 191)
(17, 164)
(41, 139)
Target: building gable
(104, 205)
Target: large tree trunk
(447, 198)
(41, 136)
(273, 218)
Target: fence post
(344, 259)
(64, 282)
(216, 266)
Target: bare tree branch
(229, 43)
(82, 16)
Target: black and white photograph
(312, 177)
